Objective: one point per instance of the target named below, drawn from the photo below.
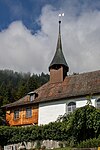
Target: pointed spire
(59, 58)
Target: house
(62, 94)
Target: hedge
(83, 124)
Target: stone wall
(49, 144)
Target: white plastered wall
(81, 103)
(49, 112)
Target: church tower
(58, 67)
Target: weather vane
(60, 16)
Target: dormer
(32, 95)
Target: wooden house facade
(22, 115)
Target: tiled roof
(73, 86)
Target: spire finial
(60, 16)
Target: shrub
(90, 143)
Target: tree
(84, 123)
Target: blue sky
(29, 10)
(29, 29)
(26, 10)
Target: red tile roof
(73, 86)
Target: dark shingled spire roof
(59, 58)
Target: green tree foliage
(82, 125)
(89, 122)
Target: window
(16, 114)
(32, 97)
(71, 107)
(28, 112)
(98, 103)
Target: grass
(65, 148)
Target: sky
(29, 32)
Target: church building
(62, 94)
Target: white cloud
(22, 51)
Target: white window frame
(71, 106)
